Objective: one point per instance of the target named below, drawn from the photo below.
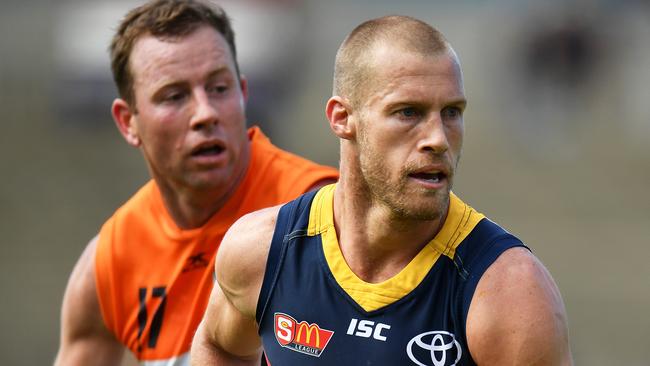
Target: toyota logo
(435, 348)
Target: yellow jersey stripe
(460, 221)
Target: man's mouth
(208, 150)
(432, 177)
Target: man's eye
(174, 97)
(451, 113)
(409, 112)
(219, 89)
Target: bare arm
(228, 334)
(85, 340)
(517, 316)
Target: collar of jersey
(460, 221)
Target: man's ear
(243, 85)
(124, 118)
(339, 112)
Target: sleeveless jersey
(313, 310)
(154, 279)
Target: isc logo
(367, 329)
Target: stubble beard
(404, 202)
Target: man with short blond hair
(388, 266)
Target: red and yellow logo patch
(301, 337)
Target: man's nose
(205, 113)
(434, 136)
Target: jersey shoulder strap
(478, 251)
(293, 219)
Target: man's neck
(375, 243)
(191, 209)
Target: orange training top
(154, 279)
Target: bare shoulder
(228, 332)
(517, 315)
(84, 336)
(241, 259)
(80, 293)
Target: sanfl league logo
(302, 337)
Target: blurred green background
(557, 144)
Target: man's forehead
(388, 64)
(409, 74)
(160, 57)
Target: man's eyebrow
(217, 72)
(458, 102)
(164, 85)
(167, 86)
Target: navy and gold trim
(461, 220)
(308, 279)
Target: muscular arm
(228, 334)
(517, 316)
(85, 340)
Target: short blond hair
(353, 65)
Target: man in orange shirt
(144, 280)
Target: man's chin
(430, 207)
(208, 181)
(422, 214)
